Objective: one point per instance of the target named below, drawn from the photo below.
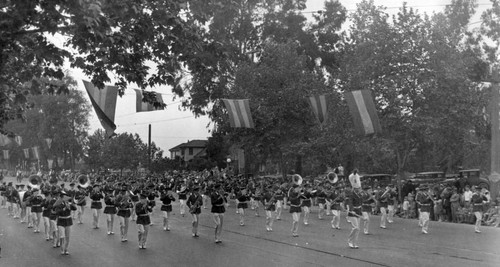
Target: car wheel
(484, 185)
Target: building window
(182, 151)
(190, 151)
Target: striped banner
(319, 107)
(36, 152)
(26, 153)
(363, 112)
(104, 103)
(239, 112)
(4, 140)
(141, 106)
(19, 140)
(49, 142)
(6, 155)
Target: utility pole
(149, 148)
(494, 176)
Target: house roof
(192, 143)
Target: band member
(142, 210)
(306, 203)
(477, 201)
(26, 206)
(35, 201)
(321, 199)
(110, 210)
(152, 195)
(72, 194)
(270, 207)
(166, 198)
(279, 196)
(295, 198)
(219, 202)
(96, 204)
(255, 199)
(242, 204)
(63, 207)
(124, 204)
(366, 208)
(47, 209)
(182, 193)
(383, 199)
(337, 198)
(194, 202)
(353, 206)
(80, 196)
(53, 218)
(391, 200)
(3, 198)
(425, 201)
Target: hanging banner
(50, 162)
(239, 113)
(319, 107)
(363, 112)
(26, 153)
(4, 140)
(19, 140)
(49, 142)
(36, 152)
(104, 103)
(6, 154)
(141, 106)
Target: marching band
(57, 207)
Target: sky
(173, 126)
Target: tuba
(35, 181)
(332, 177)
(297, 179)
(83, 181)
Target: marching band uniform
(166, 198)
(242, 205)
(47, 209)
(279, 196)
(306, 204)
(35, 201)
(110, 210)
(3, 198)
(270, 206)
(124, 203)
(391, 199)
(23, 196)
(477, 201)
(152, 195)
(382, 200)
(366, 208)
(63, 208)
(194, 202)
(295, 198)
(72, 194)
(337, 198)
(96, 204)
(80, 203)
(53, 220)
(321, 198)
(218, 201)
(353, 205)
(142, 210)
(425, 201)
(182, 193)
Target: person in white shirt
(354, 179)
(467, 196)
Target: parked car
(428, 177)
(469, 177)
(381, 180)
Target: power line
(142, 123)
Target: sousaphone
(83, 181)
(35, 181)
(297, 179)
(332, 177)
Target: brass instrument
(34, 181)
(83, 181)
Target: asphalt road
(401, 244)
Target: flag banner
(363, 112)
(4, 140)
(6, 154)
(19, 140)
(318, 105)
(50, 162)
(104, 103)
(36, 152)
(239, 112)
(141, 106)
(26, 153)
(49, 142)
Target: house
(189, 150)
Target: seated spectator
(494, 218)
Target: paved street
(401, 244)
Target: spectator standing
(467, 196)
(455, 204)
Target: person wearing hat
(24, 205)
(182, 194)
(124, 204)
(477, 201)
(53, 218)
(242, 197)
(295, 198)
(166, 198)
(353, 204)
(279, 196)
(337, 198)
(383, 198)
(391, 201)
(270, 206)
(424, 200)
(306, 202)
(35, 201)
(80, 196)
(47, 206)
(219, 202)
(62, 208)
(96, 204)
(195, 202)
(321, 199)
(367, 200)
(72, 194)
(110, 209)
(142, 210)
